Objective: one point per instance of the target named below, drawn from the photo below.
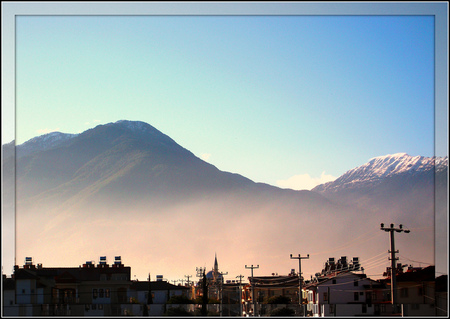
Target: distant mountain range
(385, 167)
(398, 181)
(70, 187)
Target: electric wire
(352, 242)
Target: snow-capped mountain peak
(381, 167)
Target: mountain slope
(398, 183)
(125, 160)
(381, 168)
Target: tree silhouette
(205, 295)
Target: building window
(420, 291)
(94, 293)
(355, 296)
(364, 309)
(325, 296)
(107, 293)
(334, 281)
(100, 293)
(404, 292)
(374, 296)
(355, 283)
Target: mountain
(43, 142)
(409, 190)
(127, 189)
(381, 168)
(125, 162)
(397, 182)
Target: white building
(345, 294)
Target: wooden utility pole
(187, 276)
(253, 288)
(300, 298)
(240, 293)
(391, 231)
(221, 274)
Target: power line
(352, 242)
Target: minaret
(216, 267)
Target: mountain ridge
(382, 167)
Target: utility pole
(253, 288)
(149, 294)
(240, 293)
(391, 231)
(187, 276)
(221, 291)
(300, 298)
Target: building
(88, 290)
(9, 297)
(416, 292)
(215, 281)
(341, 289)
(160, 293)
(265, 290)
(344, 294)
(442, 296)
(232, 300)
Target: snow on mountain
(145, 130)
(135, 126)
(381, 167)
(43, 142)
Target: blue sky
(267, 97)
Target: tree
(177, 312)
(182, 299)
(205, 295)
(279, 300)
(282, 312)
(145, 312)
